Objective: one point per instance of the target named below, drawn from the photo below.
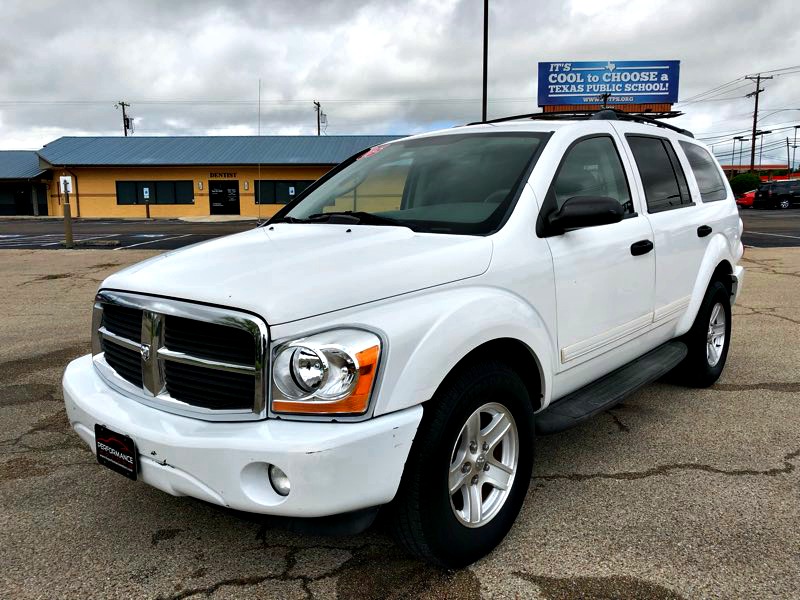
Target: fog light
(279, 481)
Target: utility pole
(758, 78)
(485, 56)
(794, 145)
(788, 161)
(126, 122)
(318, 108)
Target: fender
(491, 314)
(447, 325)
(717, 251)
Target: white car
(400, 333)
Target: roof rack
(604, 114)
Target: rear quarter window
(706, 172)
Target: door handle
(641, 247)
(703, 230)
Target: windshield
(459, 183)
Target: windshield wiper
(350, 217)
(288, 220)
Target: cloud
(192, 68)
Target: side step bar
(600, 395)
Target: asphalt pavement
(771, 228)
(121, 234)
(675, 493)
(762, 229)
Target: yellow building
(188, 176)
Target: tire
(424, 516)
(703, 365)
(784, 203)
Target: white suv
(400, 333)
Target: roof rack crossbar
(610, 114)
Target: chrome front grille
(190, 359)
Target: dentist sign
(607, 82)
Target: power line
(712, 90)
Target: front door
(223, 196)
(605, 276)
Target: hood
(288, 271)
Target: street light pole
(741, 144)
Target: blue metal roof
(207, 150)
(19, 164)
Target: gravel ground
(676, 493)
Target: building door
(223, 197)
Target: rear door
(676, 215)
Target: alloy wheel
(483, 465)
(715, 340)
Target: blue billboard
(625, 82)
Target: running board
(600, 395)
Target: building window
(155, 192)
(280, 191)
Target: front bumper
(333, 467)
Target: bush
(745, 182)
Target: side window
(592, 167)
(706, 173)
(664, 183)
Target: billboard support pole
(485, 56)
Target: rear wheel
(469, 469)
(708, 339)
(784, 203)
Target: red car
(746, 199)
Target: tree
(744, 182)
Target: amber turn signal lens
(354, 404)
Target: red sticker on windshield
(372, 151)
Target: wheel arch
(513, 352)
(717, 265)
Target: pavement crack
(163, 534)
(623, 587)
(767, 311)
(788, 467)
(617, 421)
(769, 269)
(774, 386)
(15, 369)
(209, 590)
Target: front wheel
(784, 203)
(469, 469)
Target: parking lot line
(175, 237)
(794, 237)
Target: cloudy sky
(192, 67)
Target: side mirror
(585, 211)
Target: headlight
(330, 373)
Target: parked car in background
(746, 199)
(495, 283)
(778, 194)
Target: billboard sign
(625, 82)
